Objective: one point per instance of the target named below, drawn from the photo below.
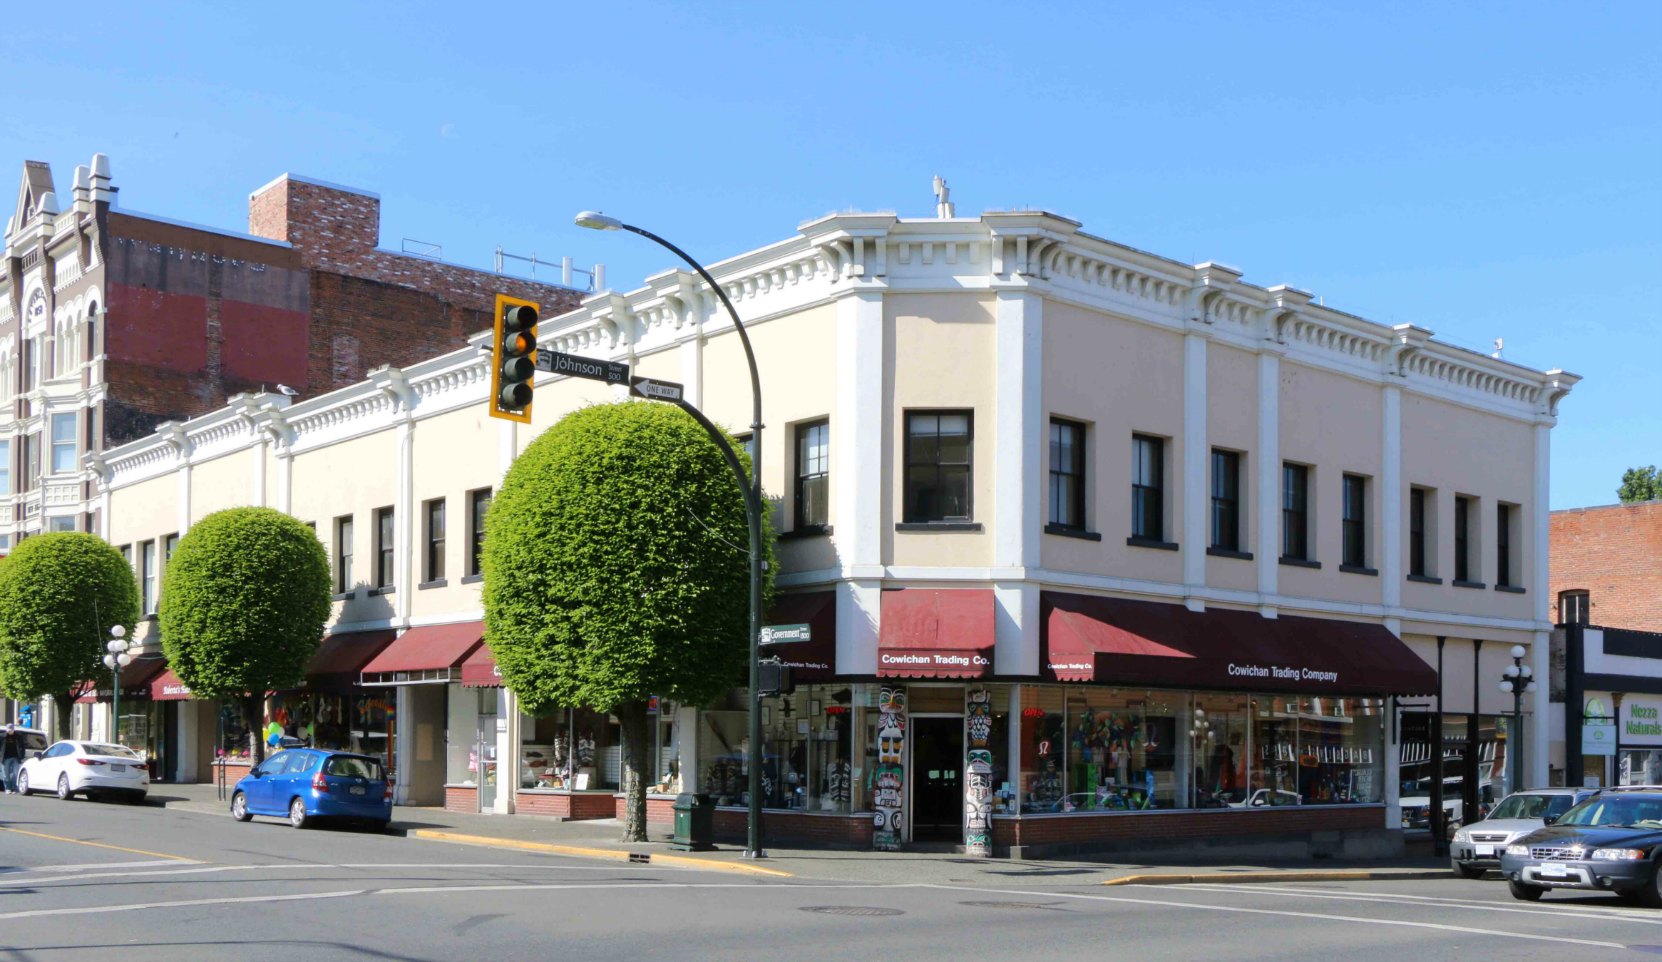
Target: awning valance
(426, 653)
(936, 633)
(815, 659)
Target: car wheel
(376, 826)
(1650, 896)
(1524, 892)
(239, 807)
(1470, 871)
(22, 783)
(64, 794)
(137, 798)
(297, 813)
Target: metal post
(115, 702)
(1439, 830)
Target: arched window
(1575, 607)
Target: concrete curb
(685, 861)
(1292, 875)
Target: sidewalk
(599, 839)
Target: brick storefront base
(234, 771)
(575, 806)
(461, 798)
(797, 828)
(660, 810)
(1305, 830)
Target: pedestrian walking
(11, 756)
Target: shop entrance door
(937, 779)
(484, 749)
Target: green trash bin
(695, 823)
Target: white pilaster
(686, 743)
(692, 370)
(1390, 500)
(507, 750)
(184, 495)
(285, 480)
(1196, 465)
(1268, 552)
(258, 450)
(403, 744)
(507, 446)
(857, 436)
(859, 611)
(1016, 628)
(186, 737)
(1018, 441)
(1539, 581)
(405, 523)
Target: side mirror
(40, 754)
(1550, 819)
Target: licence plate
(1558, 869)
(118, 768)
(1485, 851)
(355, 790)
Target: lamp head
(118, 631)
(109, 661)
(595, 220)
(1518, 651)
(115, 646)
(1506, 685)
(124, 659)
(1511, 671)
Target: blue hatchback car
(307, 785)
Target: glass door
(485, 749)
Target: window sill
(938, 526)
(1067, 532)
(1215, 552)
(343, 596)
(435, 583)
(1292, 562)
(1136, 542)
(1425, 579)
(376, 592)
(1359, 570)
(1510, 589)
(1468, 584)
(472, 579)
(808, 531)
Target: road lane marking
(713, 865)
(1285, 913)
(118, 848)
(11, 880)
(84, 866)
(1414, 901)
(140, 906)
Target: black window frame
(1416, 532)
(1295, 511)
(1462, 538)
(1148, 500)
(1353, 521)
(1067, 481)
(1225, 527)
(478, 506)
(813, 475)
(386, 548)
(149, 578)
(344, 533)
(433, 530)
(1583, 607)
(1503, 545)
(913, 513)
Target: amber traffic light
(513, 359)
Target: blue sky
(1481, 169)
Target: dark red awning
(479, 669)
(936, 633)
(341, 658)
(169, 687)
(815, 659)
(1116, 641)
(135, 681)
(423, 651)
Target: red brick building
(113, 321)
(1607, 565)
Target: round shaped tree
(60, 594)
(616, 568)
(243, 607)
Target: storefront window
(1043, 749)
(361, 722)
(1275, 749)
(808, 738)
(1218, 747)
(1340, 759)
(1121, 751)
(233, 731)
(572, 750)
(722, 749)
(461, 761)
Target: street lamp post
(752, 488)
(116, 659)
(1517, 681)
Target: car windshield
(119, 751)
(1617, 811)
(346, 766)
(1532, 806)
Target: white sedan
(85, 768)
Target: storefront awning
(479, 669)
(341, 658)
(168, 687)
(936, 633)
(135, 682)
(815, 659)
(1085, 638)
(425, 654)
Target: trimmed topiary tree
(60, 594)
(244, 604)
(616, 568)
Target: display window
(363, 722)
(1340, 759)
(571, 749)
(807, 738)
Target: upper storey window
(938, 465)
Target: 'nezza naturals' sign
(1641, 720)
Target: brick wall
(1614, 553)
(660, 809)
(847, 832)
(460, 798)
(573, 805)
(1085, 831)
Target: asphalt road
(90, 881)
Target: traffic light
(513, 359)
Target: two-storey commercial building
(1092, 545)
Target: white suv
(1477, 847)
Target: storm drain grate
(1042, 906)
(862, 911)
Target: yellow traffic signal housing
(513, 359)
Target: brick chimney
(330, 226)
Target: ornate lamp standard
(117, 659)
(752, 488)
(1517, 681)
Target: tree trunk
(62, 706)
(632, 720)
(254, 718)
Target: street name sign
(574, 365)
(783, 634)
(656, 390)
